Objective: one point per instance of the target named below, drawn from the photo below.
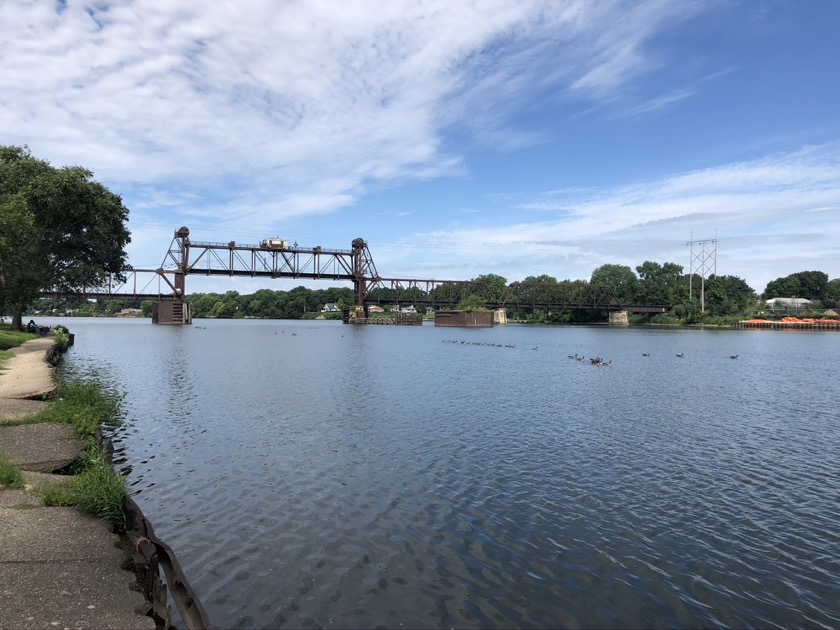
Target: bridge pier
(500, 316)
(619, 318)
(175, 312)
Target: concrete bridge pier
(172, 312)
(500, 316)
(619, 318)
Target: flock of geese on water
(597, 361)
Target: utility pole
(702, 259)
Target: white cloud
(763, 213)
(276, 96)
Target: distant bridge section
(519, 295)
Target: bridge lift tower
(272, 258)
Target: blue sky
(458, 138)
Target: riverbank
(59, 567)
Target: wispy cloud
(274, 98)
(762, 210)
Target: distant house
(330, 307)
(787, 302)
(408, 309)
(375, 309)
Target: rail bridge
(276, 258)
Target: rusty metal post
(359, 281)
(182, 237)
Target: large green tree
(661, 284)
(59, 229)
(728, 295)
(811, 285)
(493, 286)
(620, 278)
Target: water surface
(315, 474)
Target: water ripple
(375, 477)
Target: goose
(681, 355)
(734, 356)
(645, 354)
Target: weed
(86, 406)
(61, 338)
(55, 495)
(97, 489)
(10, 475)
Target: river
(314, 474)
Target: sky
(458, 138)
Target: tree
(494, 286)
(661, 284)
(472, 303)
(728, 295)
(60, 230)
(811, 285)
(620, 278)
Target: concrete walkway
(59, 567)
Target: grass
(85, 405)
(13, 338)
(10, 475)
(98, 490)
(95, 487)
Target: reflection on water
(314, 474)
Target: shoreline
(59, 565)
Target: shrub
(61, 337)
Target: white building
(785, 302)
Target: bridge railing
(136, 284)
(256, 261)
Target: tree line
(60, 230)
(650, 284)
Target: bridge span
(276, 258)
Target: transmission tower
(702, 260)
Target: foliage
(14, 338)
(294, 304)
(495, 286)
(811, 285)
(60, 229)
(55, 495)
(472, 304)
(95, 487)
(620, 278)
(86, 406)
(661, 284)
(61, 338)
(10, 475)
(98, 490)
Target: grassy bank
(10, 338)
(94, 486)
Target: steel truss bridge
(276, 259)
